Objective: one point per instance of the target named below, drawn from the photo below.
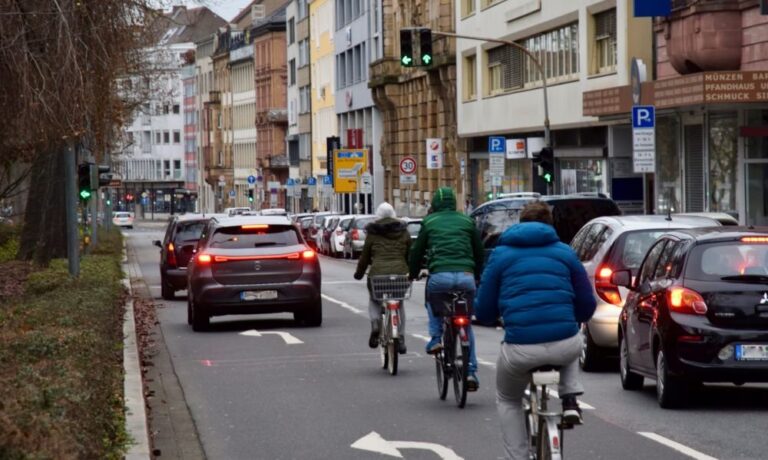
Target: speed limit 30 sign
(408, 171)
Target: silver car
(355, 238)
(605, 245)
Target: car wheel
(166, 290)
(670, 389)
(312, 316)
(200, 319)
(592, 356)
(629, 380)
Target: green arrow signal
(406, 60)
(548, 177)
(426, 59)
(85, 194)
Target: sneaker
(373, 339)
(434, 346)
(472, 382)
(401, 348)
(571, 410)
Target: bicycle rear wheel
(392, 353)
(460, 373)
(530, 401)
(549, 441)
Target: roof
(725, 233)
(194, 216)
(235, 221)
(186, 25)
(658, 221)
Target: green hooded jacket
(449, 237)
(386, 248)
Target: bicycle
(391, 291)
(452, 361)
(544, 427)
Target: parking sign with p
(643, 116)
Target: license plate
(258, 295)
(752, 352)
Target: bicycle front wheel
(460, 372)
(549, 441)
(392, 350)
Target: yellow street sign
(348, 165)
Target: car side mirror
(158, 244)
(622, 278)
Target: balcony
(278, 161)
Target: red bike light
(460, 321)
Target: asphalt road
(256, 396)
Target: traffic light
(104, 176)
(425, 43)
(250, 195)
(84, 180)
(489, 196)
(547, 164)
(406, 47)
(128, 197)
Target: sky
(227, 9)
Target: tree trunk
(44, 235)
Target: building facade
(417, 104)
(322, 88)
(711, 110)
(358, 42)
(582, 46)
(204, 88)
(190, 197)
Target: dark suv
(569, 212)
(176, 249)
(697, 312)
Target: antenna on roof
(669, 213)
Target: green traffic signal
(407, 61)
(250, 198)
(85, 194)
(548, 178)
(426, 59)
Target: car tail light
(172, 256)
(355, 235)
(308, 254)
(460, 321)
(755, 239)
(254, 227)
(605, 290)
(684, 300)
(204, 258)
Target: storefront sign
(515, 149)
(434, 153)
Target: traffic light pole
(539, 67)
(71, 189)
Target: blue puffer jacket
(536, 284)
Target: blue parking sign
(327, 180)
(497, 144)
(311, 181)
(643, 116)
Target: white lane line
(349, 307)
(422, 337)
(676, 446)
(485, 363)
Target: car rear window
(254, 236)
(632, 247)
(361, 223)
(306, 222)
(569, 215)
(189, 231)
(713, 261)
(122, 214)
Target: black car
(176, 249)
(569, 213)
(696, 312)
(252, 265)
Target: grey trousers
(512, 377)
(375, 311)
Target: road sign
(408, 165)
(650, 8)
(366, 183)
(311, 186)
(463, 166)
(297, 191)
(312, 181)
(251, 179)
(434, 153)
(348, 165)
(497, 144)
(643, 139)
(496, 181)
(231, 193)
(273, 186)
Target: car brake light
(684, 300)
(605, 290)
(254, 227)
(755, 239)
(308, 254)
(171, 255)
(204, 258)
(355, 234)
(460, 320)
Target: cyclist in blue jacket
(537, 285)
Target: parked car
(608, 244)
(722, 217)
(236, 211)
(176, 249)
(304, 224)
(323, 232)
(696, 312)
(569, 212)
(338, 234)
(312, 240)
(273, 212)
(355, 239)
(253, 265)
(122, 219)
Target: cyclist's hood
(387, 227)
(443, 200)
(529, 234)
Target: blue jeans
(444, 283)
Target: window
(291, 31)
(166, 137)
(158, 137)
(470, 74)
(221, 158)
(664, 267)
(649, 265)
(341, 80)
(723, 159)
(468, 7)
(177, 137)
(304, 99)
(177, 169)
(292, 72)
(504, 69)
(176, 109)
(303, 53)
(604, 57)
(166, 167)
(166, 109)
(301, 8)
(557, 50)
(596, 236)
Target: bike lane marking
(676, 446)
(287, 338)
(343, 304)
(373, 442)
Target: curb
(133, 390)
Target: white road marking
(422, 337)
(287, 338)
(676, 446)
(373, 442)
(485, 363)
(342, 304)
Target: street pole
(539, 67)
(70, 190)
(95, 217)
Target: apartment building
(204, 49)
(190, 196)
(582, 45)
(322, 89)
(153, 163)
(357, 43)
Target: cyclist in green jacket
(455, 263)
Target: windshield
(242, 238)
(190, 231)
(714, 261)
(122, 214)
(492, 224)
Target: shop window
(582, 176)
(668, 178)
(757, 147)
(604, 51)
(723, 159)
